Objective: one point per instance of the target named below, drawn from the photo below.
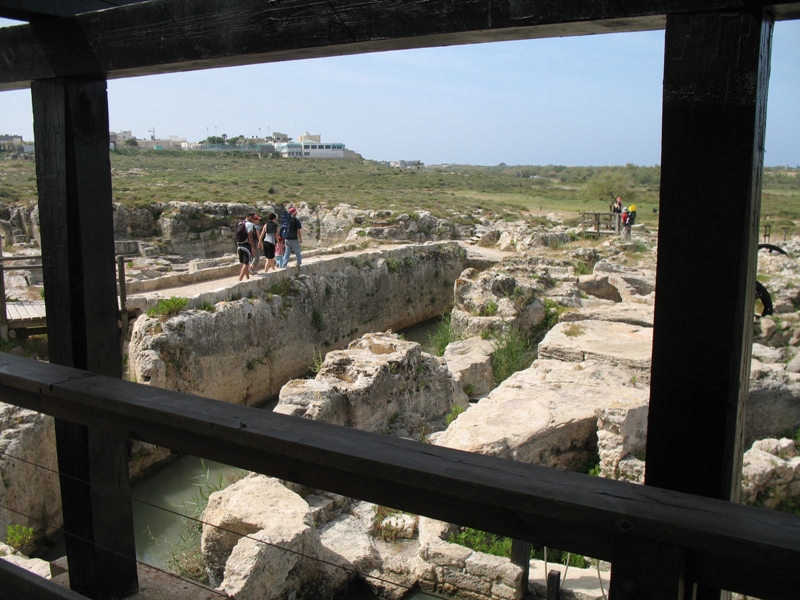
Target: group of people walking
(276, 240)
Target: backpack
(240, 233)
(286, 222)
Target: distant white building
(311, 146)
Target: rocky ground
(583, 399)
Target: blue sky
(592, 100)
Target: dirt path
(195, 289)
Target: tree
(131, 142)
(607, 187)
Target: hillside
(508, 192)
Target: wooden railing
(600, 223)
(7, 331)
(657, 540)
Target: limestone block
(379, 383)
(773, 405)
(272, 564)
(465, 583)
(758, 471)
(599, 286)
(350, 543)
(34, 565)
(28, 469)
(432, 530)
(545, 414)
(615, 344)
(255, 503)
(639, 315)
(621, 431)
(443, 554)
(470, 362)
(494, 568)
(766, 354)
(631, 469)
(402, 525)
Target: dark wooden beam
(714, 117)
(34, 10)
(75, 214)
(18, 583)
(725, 543)
(181, 35)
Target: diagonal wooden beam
(163, 36)
(181, 35)
(33, 10)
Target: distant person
(623, 218)
(257, 228)
(245, 243)
(267, 240)
(616, 209)
(630, 221)
(294, 237)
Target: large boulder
(612, 343)
(379, 383)
(260, 543)
(494, 301)
(544, 415)
(30, 492)
(470, 362)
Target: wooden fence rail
(735, 547)
(38, 323)
(600, 223)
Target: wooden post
(3, 313)
(553, 584)
(74, 181)
(714, 115)
(521, 556)
(123, 303)
(646, 571)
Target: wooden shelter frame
(680, 536)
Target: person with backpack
(292, 231)
(267, 241)
(244, 236)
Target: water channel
(162, 501)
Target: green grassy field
(143, 178)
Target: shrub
(317, 322)
(442, 336)
(489, 310)
(453, 414)
(18, 536)
(573, 330)
(169, 307)
(512, 352)
(207, 306)
(490, 543)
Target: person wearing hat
(245, 248)
(294, 237)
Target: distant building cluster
(14, 143)
(404, 164)
(308, 146)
